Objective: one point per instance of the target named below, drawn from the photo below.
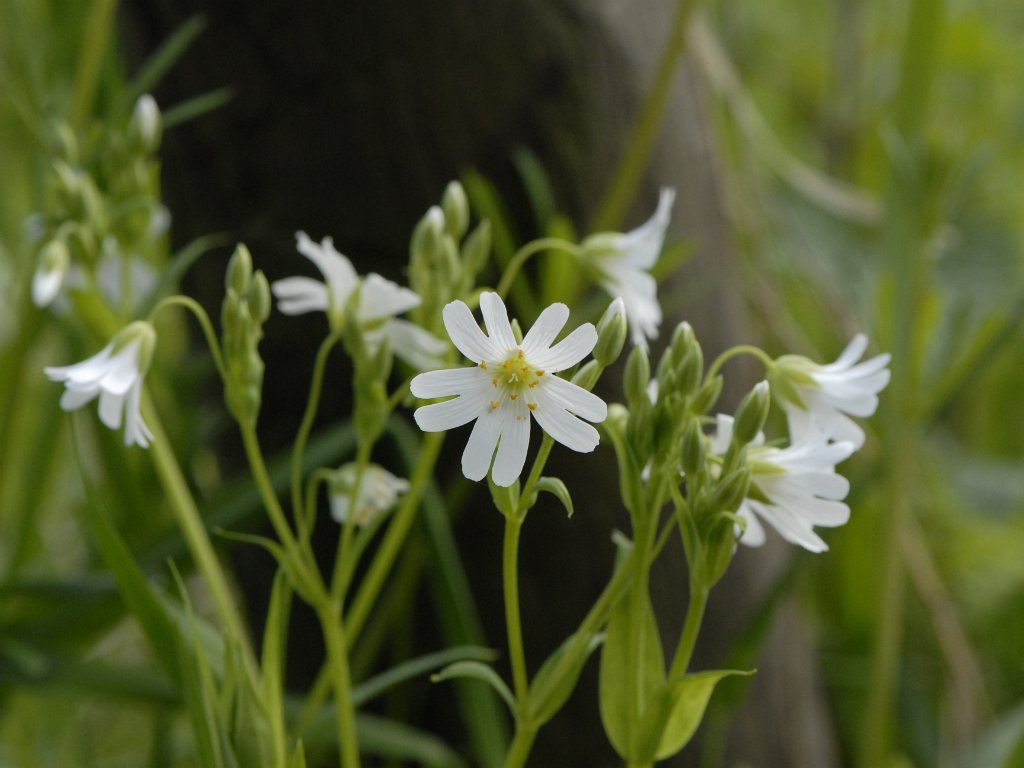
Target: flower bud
(693, 451)
(260, 301)
(54, 261)
(611, 333)
(751, 414)
(637, 377)
(719, 547)
(476, 249)
(146, 124)
(426, 237)
(731, 491)
(239, 270)
(586, 377)
(456, 210)
(707, 396)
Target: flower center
(513, 377)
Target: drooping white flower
(379, 301)
(379, 491)
(793, 489)
(115, 374)
(54, 261)
(510, 382)
(819, 399)
(624, 261)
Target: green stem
(97, 34)
(312, 404)
(204, 323)
(266, 489)
(337, 661)
(644, 134)
(741, 349)
(519, 749)
(187, 516)
(513, 619)
(523, 254)
(688, 640)
(395, 536)
(343, 568)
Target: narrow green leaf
(160, 63)
(407, 670)
(180, 262)
(555, 486)
(272, 662)
(547, 694)
(195, 107)
(299, 756)
(480, 671)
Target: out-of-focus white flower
(509, 382)
(793, 489)
(54, 261)
(819, 399)
(115, 374)
(379, 300)
(146, 122)
(379, 491)
(624, 260)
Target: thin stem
(688, 640)
(342, 567)
(538, 466)
(741, 349)
(523, 254)
(312, 404)
(204, 322)
(266, 489)
(337, 662)
(519, 749)
(644, 134)
(190, 522)
(395, 536)
(513, 619)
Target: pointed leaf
(554, 485)
(407, 670)
(480, 671)
(548, 693)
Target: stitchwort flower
(115, 374)
(793, 489)
(510, 382)
(623, 261)
(379, 301)
(379, 491)
(819, 399)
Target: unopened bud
(637, 377)
(456, 210)
(54, 260)
(260, 302)
(693, 448)
(611, 333)
(239, 270)
(476, 249)
(751, 414)
(146, 124)
(586, 377)
(731, 491)
(707, 396)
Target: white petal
(380, 297)
(723, 434)
(466, 334)
(122, 370)
(515, 439)
(851, 354)
(135, 429)
(337, 270)
(549, 324)
(499, 329)
(642, 246)
(568, 351)
(73, 399)
(111, 409)
(566, 428)
(451, 413)
(298, 295)
(451, 381)
(89, 371)
(753, 531)
(45, 286)
(476, 459)
(574, 399)
(415, 345)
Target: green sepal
(555, 486)
(547, 694)
(674, 712)
(479, 671)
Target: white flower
(819, 399)
(510, 382)
(379, 491)
(793, 489)
(115, 374)
(379, 301)
(54, 261)
(624, 261)
(146, 121)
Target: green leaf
(548, 693)
(299, 756)
(480, 671)
(387, 738)
(618, 714)
(275, 641)
(674, 712)
(407, 670)
(555, 486)
(157, 65)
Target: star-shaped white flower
(115, 374)
(819, 399)
(793, 489)
(379, 491)
(624, 261)
(380, 300)
(509, 382)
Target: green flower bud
(476, 250)
(245, 308)
(693, 449)
(456, 210)
(707, 396)
(239, 270)
(731, 491)
(426, 237)
(586, 377)
(751, 414)
(637, 377)
(260, 302)
(611, 333)
(146, 124)
(719, 546)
